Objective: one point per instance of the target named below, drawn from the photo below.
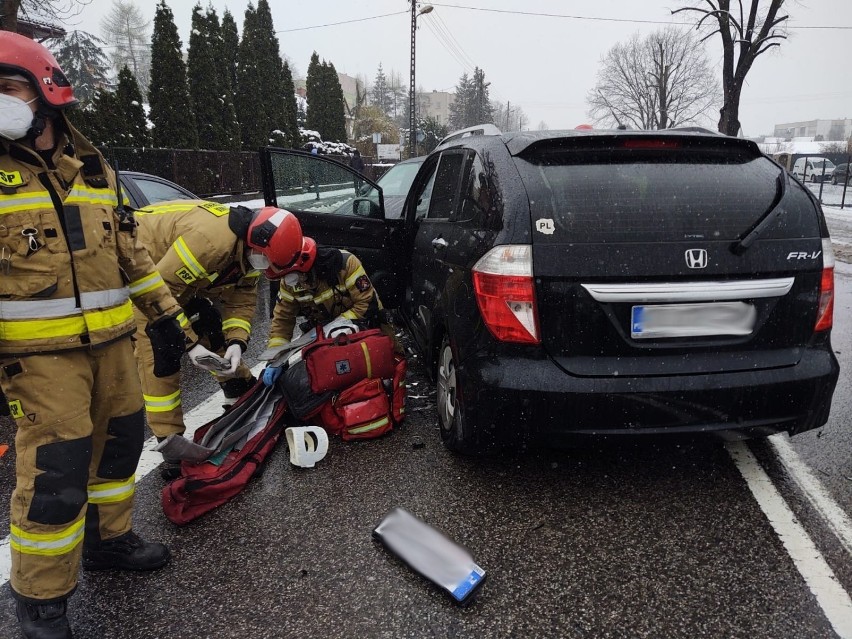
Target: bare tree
(658, 81)
(744, 37)
(126, 31)
(50, 11)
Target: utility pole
(412, 91)
(508, 110)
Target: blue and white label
(463, 589)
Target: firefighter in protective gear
(71, 268)
(322, 285)
(204, 251)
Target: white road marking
(838, 521)
(818, 575)
(206, 411)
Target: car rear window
(607, 194)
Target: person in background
(71, 270)
(206, 251)
(357, 162)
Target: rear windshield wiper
(740, 247)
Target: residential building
(435, 105)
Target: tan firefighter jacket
(69, 267)
(198, 255)
(349, 297)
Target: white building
(435, 105)
(822, 129)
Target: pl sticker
(545, 225)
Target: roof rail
(478, 129)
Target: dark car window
(623, 195)
(155, 191)
(475, 197)
(446, 185)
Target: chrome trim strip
(646, 292)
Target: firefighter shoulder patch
(363, 283)
(185, 275)
(11, 178)
(216, 209)
(15, 409)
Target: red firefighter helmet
(21, 56)
(303, 262)
(277, 234)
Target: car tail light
(825, 313)
(505, 293)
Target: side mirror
(365, 207)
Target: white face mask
(258, 261)
(292, 279)
(16, 117)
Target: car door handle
(439, 242)
(357, 227)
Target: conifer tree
(313, 88)
(336, 107)
(381, 93)
(230, 47)
(225, 62)
(168, 96)
(290, 126)
(128, 97)
(105, 126)
(81, 57)
(204, 84)
(250, 110)
(460, 108)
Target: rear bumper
(534, 397)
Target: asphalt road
(650, 539)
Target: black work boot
(169, 468)
(43, 621)
(236, 388)
(125, 552)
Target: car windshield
(398, 179)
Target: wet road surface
(644, 539)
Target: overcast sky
(547, 64)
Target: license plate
(692, 320)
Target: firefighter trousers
(162, 394)
(80, 429)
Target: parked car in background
(596, 283)
(840, 174)
(813, 169)
(143, 189)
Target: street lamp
(412, 123)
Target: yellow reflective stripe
(162, 403)
(80, 194)
(188, 258)
(68, 326)
(252, 274)
(112, 492)
(182, 319)
(145, 284)
(47, 544)
(233, 322)
(25, 202)
(368, 427)
(325, 295)
(350, 314)
(99, 320)
(284, 296)
(367, 359)
(350, 281)
(170, 208)
(277, 341)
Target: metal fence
(833, 186)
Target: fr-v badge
(696, 258)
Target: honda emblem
(696, 258)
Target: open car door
(337, 206)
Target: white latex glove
(196, 355)
(233, 354)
